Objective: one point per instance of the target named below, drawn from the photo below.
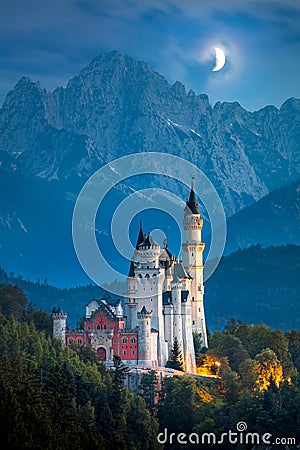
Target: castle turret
(193, 259)
(144, 334)
(59, 319)
(177, 318)
(130, 295)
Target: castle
(164, 301)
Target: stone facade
(164, 301)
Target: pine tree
(175, 360)
(148, 389)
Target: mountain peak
(291, 103)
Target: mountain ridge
(117, 106)
(51, 142)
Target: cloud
(53, 41)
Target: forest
(53, 397)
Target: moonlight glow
(220, 59)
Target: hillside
(257, 286)
(44, 296)
(273, 220)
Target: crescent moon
(220, 59)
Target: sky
(52, 41)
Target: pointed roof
(131, 269)
(141, 236)
(148, 241)
(180, 271)
(140, 239)
(176, 279)
(192, 201)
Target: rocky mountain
(117, 106)
(50, 143)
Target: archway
(101, 353)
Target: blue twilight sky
(53, 41)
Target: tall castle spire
(141, 236)
(140, 239)
(193, 257)
(192, 201)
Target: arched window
(124, 340)
(71, 340)
(98, 327)
(132, 340)
(140, 276)
(147, 274)
(124, 352)
(79, 341)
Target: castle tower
(144, 337)
(59, 319)
(169, 326)
(193, 258)
(130, 295)
(177, 317)
(149, 279)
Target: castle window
(147, 274)
(124, 352)
(140, 276)
(133, 352)
(71, 340)
(124, 340)
(193, 322)
(79, 341)
(199, 309)
(154, 275)
(115, 341)
(104, 327)
(193, 299)
(115, 327)
(98, 327)
(192, 254)
(132, 340)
